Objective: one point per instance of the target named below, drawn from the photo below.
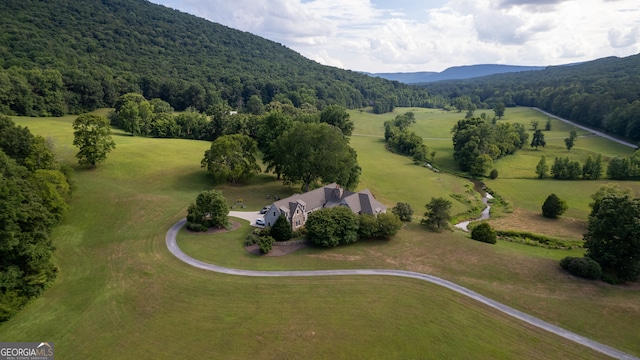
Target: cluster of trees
(625, 168)
(209, 210)
(34, 190)
(95, 51)
(141, 117)
(477, 143)
(603, 94)
(402, 140)
(310, 147)
(564, 168)
(331, 227)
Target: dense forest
(34, 190)
(71, 56)
(603, 94)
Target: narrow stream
(484, 216)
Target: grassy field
(517, 179)
(120, 294)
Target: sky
(432, 35)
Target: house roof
(330, 196)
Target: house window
(274, 213)
(297, 222)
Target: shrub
(493, 174)
(582, 267)
(367, 226)
(281, 229)
(250, 240)
(484, 232)
(196, 227)
(528, 238)
(404, 211)
(265, 243)
(388, 225)
(332, 226)
(553, 207)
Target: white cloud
(359, 35)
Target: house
(297, 207)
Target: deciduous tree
(438, 214)
(542, 168)
(209, 210)
(92, 136)
(231, 158)
(404, 211)
(337, 116)
(538, 139)
(613, 235)
(311, 152)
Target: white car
(265, 209)
(260, 221)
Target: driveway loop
(607, 350)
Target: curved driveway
(175, 250)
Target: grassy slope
(120, 294)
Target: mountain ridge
(454, 73)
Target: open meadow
(120, 294)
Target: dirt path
(607, 350)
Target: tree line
(34, 190)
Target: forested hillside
(59, 56)
(604, 94)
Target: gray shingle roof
(330, 196)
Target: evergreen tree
(542, 168)
(281, 229)
(553, 207)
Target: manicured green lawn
(120, 294)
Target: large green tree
(613, 235)
(281, 229)
(438, 214)
(231, 158)
(209, 210)
(311, 152)
(337, 116)
(92, 136)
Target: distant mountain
(603, 94)
(454, 73)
